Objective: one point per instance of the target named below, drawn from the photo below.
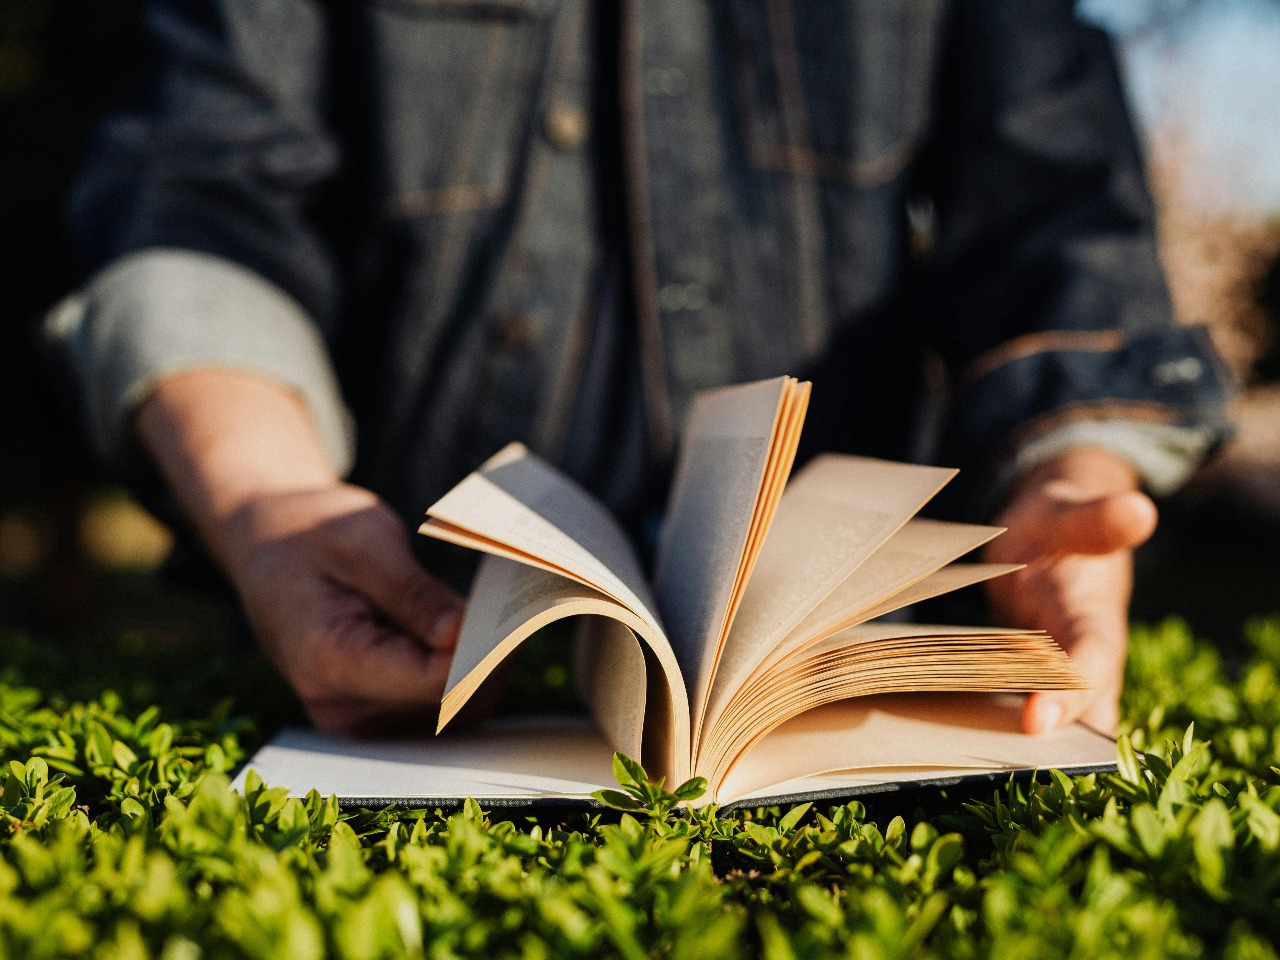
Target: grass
(120, 838)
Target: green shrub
(119, 837)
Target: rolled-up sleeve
(1048, 303)
(195, 218)
(1163, 455)
(1154, 399)
(159, 312)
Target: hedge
(119, 837)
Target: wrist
(1088, 471)
(226, 440)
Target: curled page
(517, 506)
(510, 601)
(835, 514)
(919, 549)
(737, 451)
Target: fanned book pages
(758, 656)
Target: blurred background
(78, 558)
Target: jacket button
(666, 82)
(566, 126)
(517, 331)
(673, 297)
(1171, 373)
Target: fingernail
(1049, 717)
(445, 633)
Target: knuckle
(426, 595)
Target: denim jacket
(388, 204)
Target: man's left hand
(1074, 520)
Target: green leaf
(923, 835)
(793, 817)
(773, 940)
(1127, 761)
(64, 766)
(215, 758)
(894, 833)
(931, 911)
(1212, 841)
(253, 784)
(98, 745)
(1264, 823)
(943, 855)
(617, 800)
(36, 773)
(627, 772)
(691, 789)
(765, 836)
(124, 757)
(1152, 832)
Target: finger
(1098, 654)
(396, 668)
(361, 659)
(1047, 711)
(1051, 710)
(409, 596)
(1120, 521)
(386, 694)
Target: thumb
(1119, 521)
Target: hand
(362, 633)
(1074, 521)
(323, 568)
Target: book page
(518, 760)
(921, 735)
(517, 506)
(917, 550)
(911, 554)
(833, 516)
(510, 601)
(738, 446)
(613, 682)
(510, 760)
(957, 576)
(879, 658)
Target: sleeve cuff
(1163, 454)
(163, 311)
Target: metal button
(1173, 372)
(682, 296)
(516, 331)
(566, 126)
(666, 82)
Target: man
(555, 220)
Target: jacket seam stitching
(1103, 408)
(795, 118)
(1043, 341)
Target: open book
(756, 658)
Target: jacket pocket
(836, 89)
(455, 81)
(465, 8)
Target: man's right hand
(323, 568)
(339, 604)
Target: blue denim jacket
(413, 179)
